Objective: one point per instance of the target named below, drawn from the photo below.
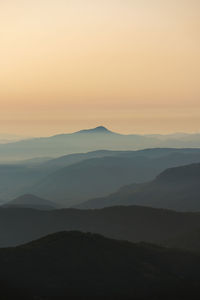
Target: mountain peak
(99, 129)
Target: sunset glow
(130, 65)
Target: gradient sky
(131, 65)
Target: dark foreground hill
(176, 188)
(189, 241)
(73, 265)
(136, 224)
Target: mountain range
(72, 179)
(19, 225)
(133, 232)
(175, 188)
(91, 140)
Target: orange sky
(131, 65)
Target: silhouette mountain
(74, 265)
(62, 144)
(176, 188)
(99, 129)
(133, 223)
(31, 201)
(91, 140)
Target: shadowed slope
(101, 176)
(88, 266)
(20, 225)
(176, 188)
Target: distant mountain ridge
(99, 129)
(175, 188)
(134, 223)
(63, 180)
(91, 140)
(100, 176)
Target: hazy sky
(131, 65)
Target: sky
(130, 65)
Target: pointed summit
(99, 129)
